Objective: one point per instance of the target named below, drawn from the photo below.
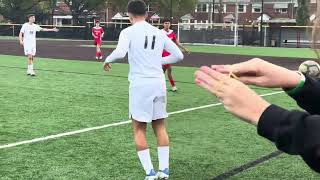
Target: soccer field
(68, 96)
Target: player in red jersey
(98, 33)
(172, 35)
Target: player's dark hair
(30, 15)
(165, 20)
(137, 7)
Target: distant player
(27, 39)
(172, 35)
(147, 92)
(98, 34)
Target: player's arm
(21, 34)
(102, 34)
(119, 53)
(181, 46)
(94, 36)
(175, 53)
(21, 38)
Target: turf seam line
(110, 125)
(249, 165)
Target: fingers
(204, 77)
(225, 69)
(206, 81)
(106, 66)
(251, 66)
(214, 74)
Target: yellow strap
(232, 75)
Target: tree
(118, 5)
(220, 10)
(48, 7)
(179, 7)
(16, 10)
(83, 8)
(302, 13)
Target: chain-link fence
(248, 35)
(195, 33)
(112, 30)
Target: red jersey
(97, 32)
(172, 36)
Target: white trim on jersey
(167, 32)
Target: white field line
(109, 125)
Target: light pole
(261, 22)
(171, 10)
(236, 24)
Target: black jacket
(296, 132)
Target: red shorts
(166, 66)
(97, 42)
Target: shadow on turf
(244, 167)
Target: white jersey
(144, 44)
(29, 35)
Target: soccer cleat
(101, 57)
(97, 58)
(32, 73)
(151, 176)
(28, 72)
(163, 175)
(174, 89)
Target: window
(241, 8)
(284, 10)
(281, 10)
(216, 8)
(256, 10)
(201, 8)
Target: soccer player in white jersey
(147, 91)
(27, 39)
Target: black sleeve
(308, 97)
(294, 132)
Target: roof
(187, 17)
(120, 16)
(280, 5)
(155, 17)
(265, 18)
(229, 17)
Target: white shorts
(30, 51)
(148, 100)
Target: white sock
(31, 67)
(145, 160)
(163, 155)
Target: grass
(72, 95)
(256, 51)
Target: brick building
(223, 11)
